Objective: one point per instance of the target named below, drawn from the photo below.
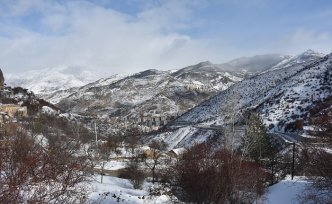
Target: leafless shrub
(318, 161)
(135, 173)
(34, 173)
(218, 176)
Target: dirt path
(114, 173)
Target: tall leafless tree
(157, 148)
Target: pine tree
(256, 144)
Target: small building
(14, 110)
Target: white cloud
(36, 34)
(308, 36)
(88, 35)
(303, 39)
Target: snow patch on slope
(48, 80)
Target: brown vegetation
(33, 171)
(318, 160)
(218, 176)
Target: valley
(140, 130)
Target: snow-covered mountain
(148, 93)
(239, 68)
(306, 56)
(255, 91)
(283, 97)
(46, 81)
(153, 93)
(126, 99)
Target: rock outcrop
(2, 79)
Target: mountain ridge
(284, 99)
(47, 81)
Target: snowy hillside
(145, 96)
(46, 81)
(56, 96)
(281, 95)
(306, 56)
(159, 92)
(150, 92)
(127, 99)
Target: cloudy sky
(131, 35)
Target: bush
(218, 176)
(134, 173)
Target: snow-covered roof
(179, 151)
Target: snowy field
(286, 191)
(117, 190)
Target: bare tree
(33, 173)
(113, 142)
(231, 111)
(134, 170)
(132, 139)
(157, 147)
(101, 157)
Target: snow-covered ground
(117, 190)
(114, 189)
(112, 165)
(286, 191)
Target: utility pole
(96, 133)
(293, 162)
(98, 154)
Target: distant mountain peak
(204, 63)
(148, 72)
(306, 56)
(311, 52)
(202, 66)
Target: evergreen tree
(256, 143)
